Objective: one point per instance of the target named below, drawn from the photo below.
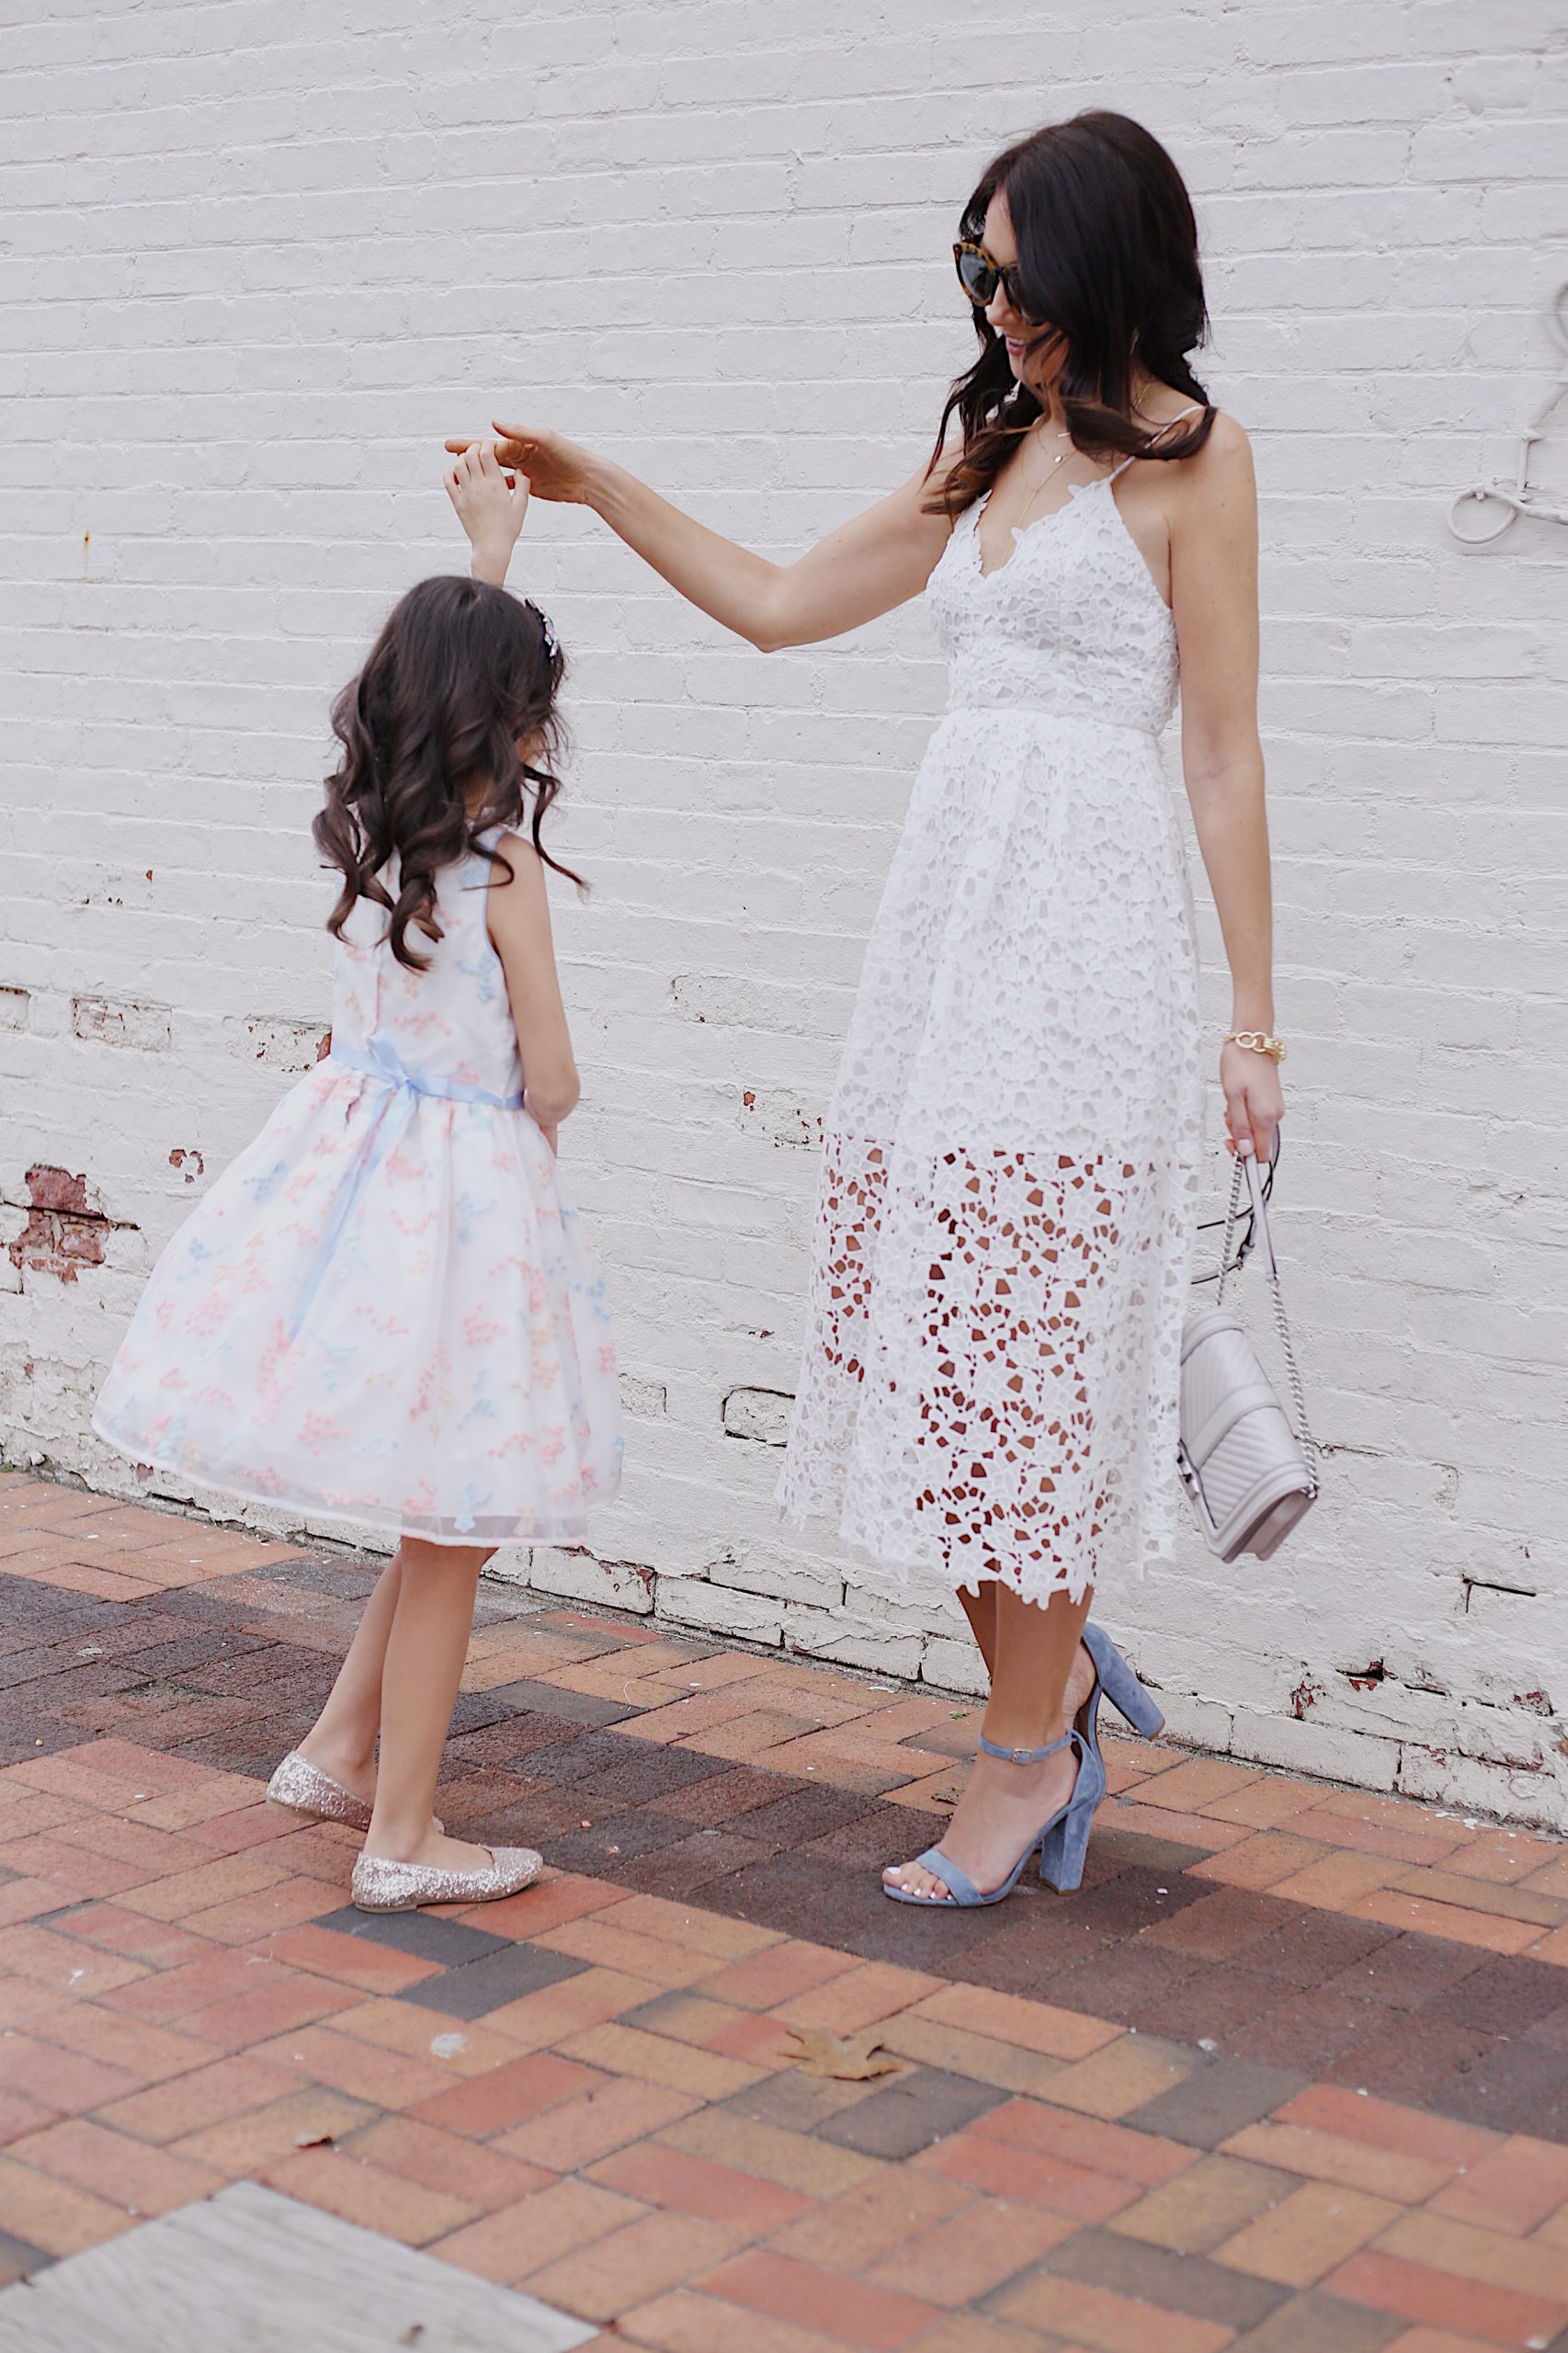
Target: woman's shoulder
(1216, 481)
(1225, 454)
(1228, 444)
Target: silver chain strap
(1244, 1168)
(1232, 1210)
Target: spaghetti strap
(1197, 409)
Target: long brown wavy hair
(461, 673)
(1107, 265)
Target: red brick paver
(1294, 2052)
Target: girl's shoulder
(480, 864)
(496, 855)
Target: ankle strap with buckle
(1027, 1756)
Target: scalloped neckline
(1021, 531)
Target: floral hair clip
(552, 642)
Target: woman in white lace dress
(988, 1397)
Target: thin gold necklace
(1060, 459)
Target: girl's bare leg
(424, 1653)
(1037, 1648)
(342, 1741)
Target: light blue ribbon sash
(379, 1060)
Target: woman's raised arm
(878, 560)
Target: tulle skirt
(386, 1313)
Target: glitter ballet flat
(301, 1788)
(381, 1885)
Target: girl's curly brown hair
(460, 675)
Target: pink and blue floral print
(385, 1311)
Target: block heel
(1064, 1842)
(1115, 1681)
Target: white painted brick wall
(258, 259)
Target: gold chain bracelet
(1258, 1042)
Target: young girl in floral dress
(385, 1311)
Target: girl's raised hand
(557, 468)
(491, 505)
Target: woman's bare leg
(426, 1650)
(980, 1609)
(342, 1741)
(1037, 1649)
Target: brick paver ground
(1289, 2075)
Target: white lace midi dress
(1005, 1224)
(386, 1311)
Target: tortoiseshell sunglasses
(980, 277)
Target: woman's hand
(1255, 1103)
(491, 505)
(556, 469)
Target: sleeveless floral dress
(1005, 1223)
(385, 1310)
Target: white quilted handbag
(1250, 1474)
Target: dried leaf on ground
(848, 2058)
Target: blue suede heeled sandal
(1062, 1843)
(1115, 1681)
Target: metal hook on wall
(1479, 515)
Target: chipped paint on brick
(64, 1231)
(780, 1119)
(760, 1414)
(279, 1043)
(126, 1022)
